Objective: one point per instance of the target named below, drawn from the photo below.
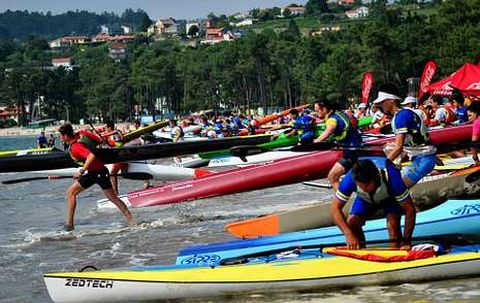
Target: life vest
(115, 140)
(417, 136)
(349, 132)
(382, 193)
(174, 133)
(89, 140)
(304, 124)
(451, 116)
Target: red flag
(427, 75)
(367, 84)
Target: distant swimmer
(92, 171)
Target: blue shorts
(420, 167)
(363, 209)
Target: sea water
(32, 241)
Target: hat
(362, 105)
(409, 100)
(385, 96)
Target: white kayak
(254, 159)
(151, 171)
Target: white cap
(384, 96)
(408, 100)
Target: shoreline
(27, 132)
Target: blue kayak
(451, 217)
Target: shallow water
(31, 241)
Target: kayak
(429, 192)
(328, 268)
(137, 133)
(273, 117)
(54, 159)
(451, 217)
(281, 141)
(254, 159)
(311, 166)
(143, 170)
(189, 131)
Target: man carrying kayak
(377, 186)
(342, 129)
(411, 136)
(92, 171)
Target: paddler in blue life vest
(343, 129)
(378, 185)
(303, 126)
(411, 136)
(92, 171)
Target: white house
(65, 62)
(163, 26)
(360, 12)
(126, 30)
(295, 10)
(246, 22)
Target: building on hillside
(360, 12)
(117, 38)
(216, 35)
(68, 41)
(126, 30)
(295, 9)
(166, 26)
(118, 51)
(62, 62)
(122, 38)
(191, 24)
(241, 16)
(104, 29)
(346, 2)
(321, 30)
(102, 37)
(246, 22)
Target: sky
(180, 9)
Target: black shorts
(349, 157)
(102, 178)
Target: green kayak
(280, 141)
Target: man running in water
(92, 171)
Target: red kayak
(285, 171)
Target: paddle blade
(243, 151)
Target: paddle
(132, 176)
(316, 184)
(242, 151)
(446, 240)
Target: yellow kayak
(312, 271)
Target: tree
(316, 8)
(146, 22)
(193, 31)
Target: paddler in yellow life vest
(114, 139)
(342, 129)
(92, 170)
